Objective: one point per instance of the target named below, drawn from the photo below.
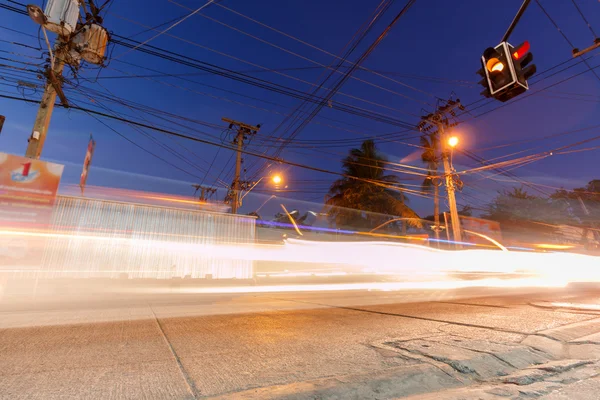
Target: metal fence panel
(99, 238)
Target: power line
(307, 58)
(249, 63)
(162, 145)
(167, 29)
(277, 88)
(91, 114)
(138, 46)
(319, 49)
(195, 139)
(536, 80)
(563, 34)
(188, 89)
(327, 98)
(584, 19)
(520, 98)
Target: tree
(585, 201)
(366, 187)
(467, 211)
(518, 205)
(430, 144)
(526, 215)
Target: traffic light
(521, 59)
(494, 71)
(505, 71)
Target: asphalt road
(264, 345)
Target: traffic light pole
(42, 120)
(515, 21)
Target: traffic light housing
(505, 71)
(522, 58)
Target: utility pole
(243, 132)
(450, 187)
(79, 38)
(205, 192)
(439, 120)
(44, 114)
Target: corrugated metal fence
(98, 238)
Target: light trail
(370, 286)
(411, 262)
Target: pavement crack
(405, 316)
(456, 366)
(568, 310)
(188, 380)
(472, 304)
(500, 359)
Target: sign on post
(86, 163)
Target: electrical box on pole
(91, 43)
(61, 16)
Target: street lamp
(276, 179)
(453, 141)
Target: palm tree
(430, 144)
(366, 188)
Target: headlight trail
(327, 259)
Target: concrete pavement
(293, 345)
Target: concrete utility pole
(439, 120)
(79, 38)
(44, 114)
(450, 186)
(243, 132)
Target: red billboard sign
(27, 192)
(25, 181)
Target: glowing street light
(277, 179)
(453, 141)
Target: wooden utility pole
(243, 132)
(53, 88)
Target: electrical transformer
(62, 16)
(91, 43)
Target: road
(297, 345)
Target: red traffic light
(521, 50)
